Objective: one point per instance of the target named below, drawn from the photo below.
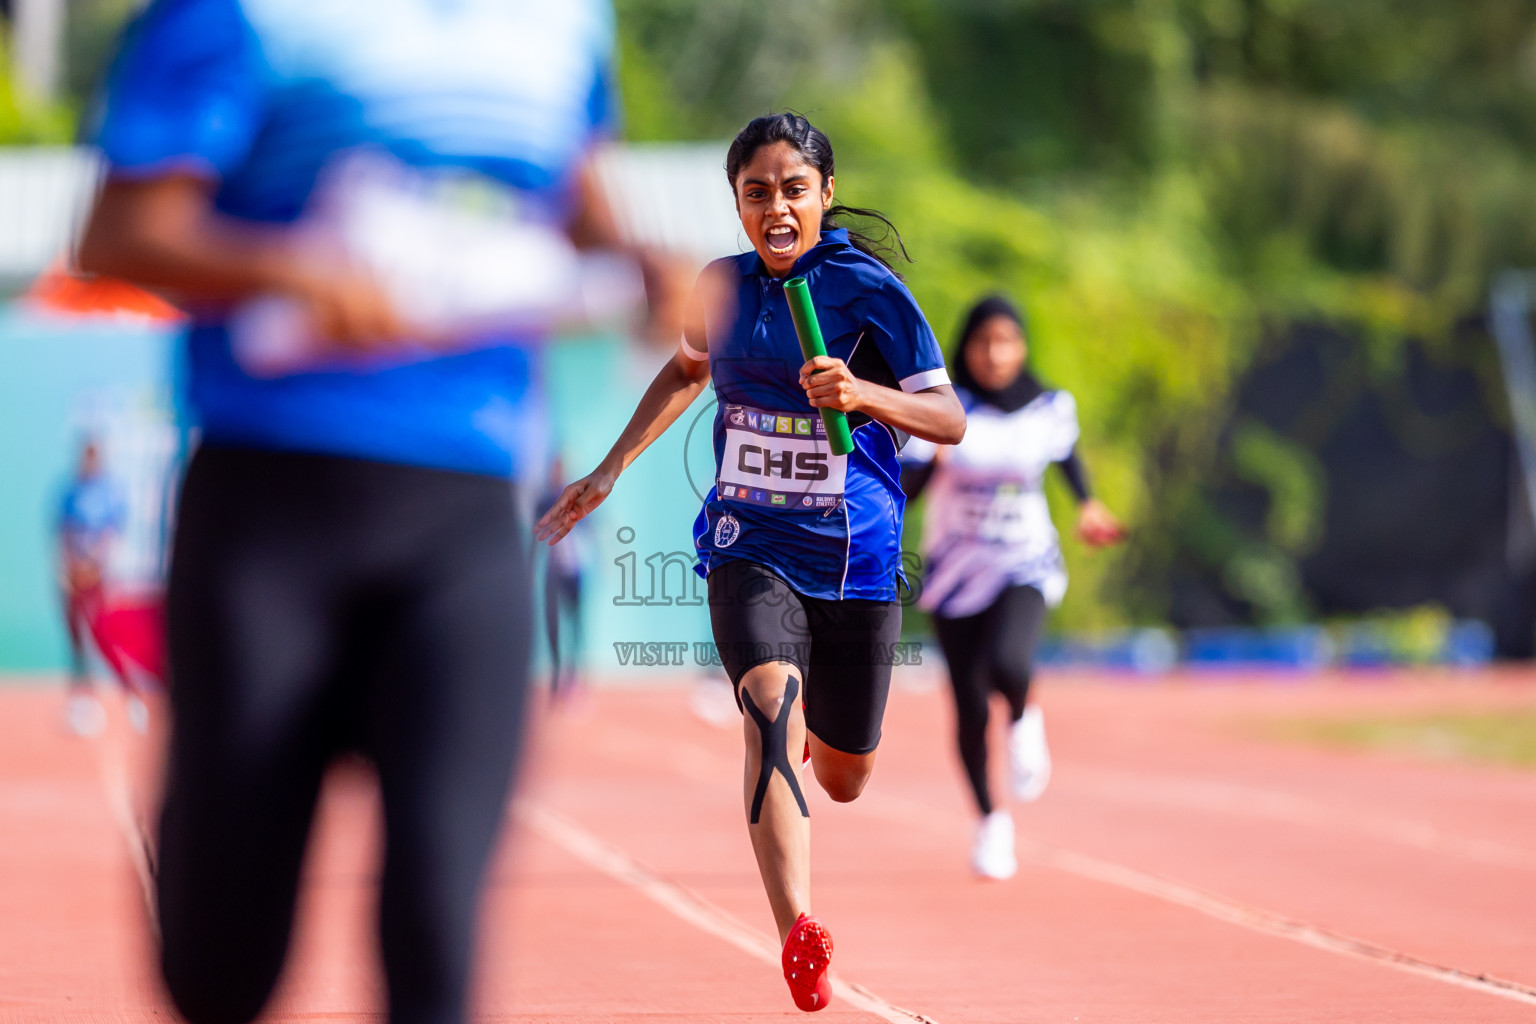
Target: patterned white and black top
(987, 526)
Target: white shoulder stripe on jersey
(689, 352)
(926, 379)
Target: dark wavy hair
(812, 144)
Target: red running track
(1181, 868)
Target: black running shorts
(843, 649)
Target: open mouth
(781, 240)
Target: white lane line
(1232, 912)
(112, 763)
(689, 905)
(1232, 798)
(1219, 907)
(697, 762)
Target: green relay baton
(803, 312)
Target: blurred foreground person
(362, 205)
(89, 523)
(994, 563)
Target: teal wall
(58, 378)
(594, 385)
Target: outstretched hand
(1097, 525)
(574, 503)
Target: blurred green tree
(1165, 183)
(23, 120)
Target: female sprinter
(993, 564)
(801, 547)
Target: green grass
(1505, 737)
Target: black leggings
(991, 650)
(562, 600)
(844, 649)
(320, 605)
(79, 629)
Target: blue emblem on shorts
(727, 529)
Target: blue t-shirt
(263, 95)
(91, 510)
(829, 525)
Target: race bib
(995, 512)
(779, 460)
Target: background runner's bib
(779, 460)
(1001, 511)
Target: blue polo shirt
(829, 525)
(92, 509)
(473, 97)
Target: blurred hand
(1097, 526)
(164, 233)
(346, 305)
(574, 503)
(829, 384)
(669, 282)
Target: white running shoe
(1028, 756)
(992, 856)
(84, 715)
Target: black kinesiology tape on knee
(775, 736)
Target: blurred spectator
(567, 565)
(90, 520)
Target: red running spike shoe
(807, 954)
